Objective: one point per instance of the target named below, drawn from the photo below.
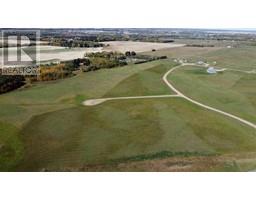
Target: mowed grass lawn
(233, 92)
(11, 146)
(185, 52)
(75, 137)
(71, 138)
(242, 58)
(46, 127)
(17, 108)
(143, 83)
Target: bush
(9, 83)
(106, 59)
(59, 71)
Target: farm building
(200, 62)
(211, 70)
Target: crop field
(123, 46)
(46, 127)
(48, 53)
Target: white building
(211, 70)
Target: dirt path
(200, 104)
(237, 70)
(93, 102)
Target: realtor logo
(20, 52)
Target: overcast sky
(129, 13)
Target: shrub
(9, 83)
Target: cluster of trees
(49, 37)
(59, 71)
(200, 45)
(70, 43)
(104, 54)
(145, 58)
(133, 37)
(65, 39)
(91, 62)
(9, 83)
(104, 60)
(130, 53)
(114, 59)
(49, 73)
(75, 64)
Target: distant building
(211, 70)
(56, 62)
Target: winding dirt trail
(93, 102)
(201, 104)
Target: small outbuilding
(211, 70)
(200, 62)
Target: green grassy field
(233, 92)
(19, 107)
(71, 138)
(147, 82)
(185, 52)
(242, 58)
(11, 147)
(45, 127)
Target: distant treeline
(92, 40)
(71, 43)
(144, 59)
(199, 45)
